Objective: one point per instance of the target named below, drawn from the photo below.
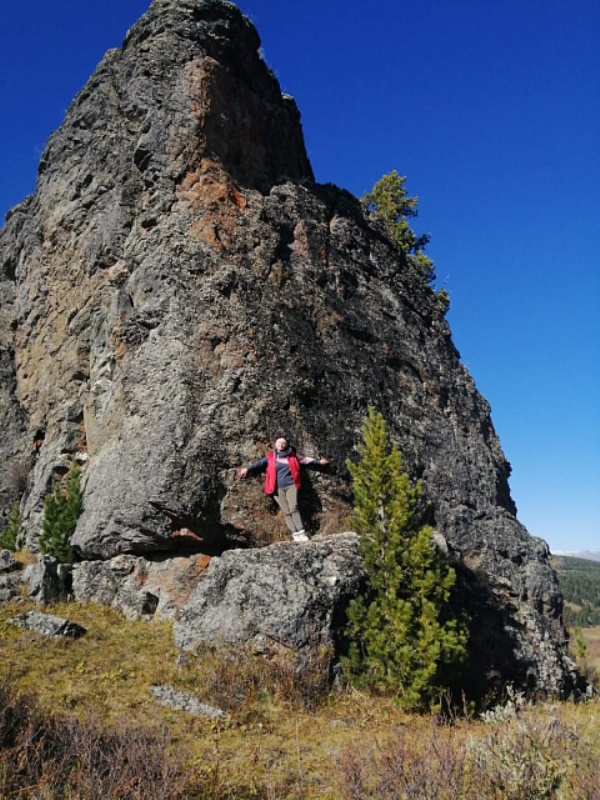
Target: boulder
(9, 587)
(10, 576)
(7, 561)
(185, 701)
(139, 587)
(48, 580)
(48, 625)
(288, 599)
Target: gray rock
(184, 701)
(139, 587)
(7, 561)
(48, 580)
(48, 624)
(9, 587)
(286, 599)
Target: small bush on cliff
(8, 538)
(402, 635)
(62, 507)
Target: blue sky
(492, 112)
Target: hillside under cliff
(179, 290)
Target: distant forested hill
(580, 583)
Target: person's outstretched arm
(252, 469)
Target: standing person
(283, 480)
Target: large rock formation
(178, 291)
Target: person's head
(281, 444)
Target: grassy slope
(270, 740)
(109, 672)
(569, 568)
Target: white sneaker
(299, 536)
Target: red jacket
(271, 475)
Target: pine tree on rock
(390, 201)
(403, 638)
(8, 537)
(62, 507)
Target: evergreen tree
(62, 507)
(8, 538)
(390, 201)
(403, 638)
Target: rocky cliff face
(178, 291)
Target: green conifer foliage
(62, 507)
(8, 538)
(403, 638)
(390, 201)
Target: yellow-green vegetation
(281, 738)
(390, 201)
(591, 637)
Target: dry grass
(110, 669)
(24, 557)
(536, 753)
(592, 639)
(284, 737)
(45, 755)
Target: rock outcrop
(139, 587)
(178, 290)
(10, 576)
(284, 600)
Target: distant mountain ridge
(588, 555)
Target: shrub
(43, 755)
(528, 755)
(62, 507)
(8, 538)
(415, 765)
(443, 299)
(524, 752)
(402, 635)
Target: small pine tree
(62, 507)
(8, 538)
(402, 635)
(389, 200)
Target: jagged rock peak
(191, 89)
